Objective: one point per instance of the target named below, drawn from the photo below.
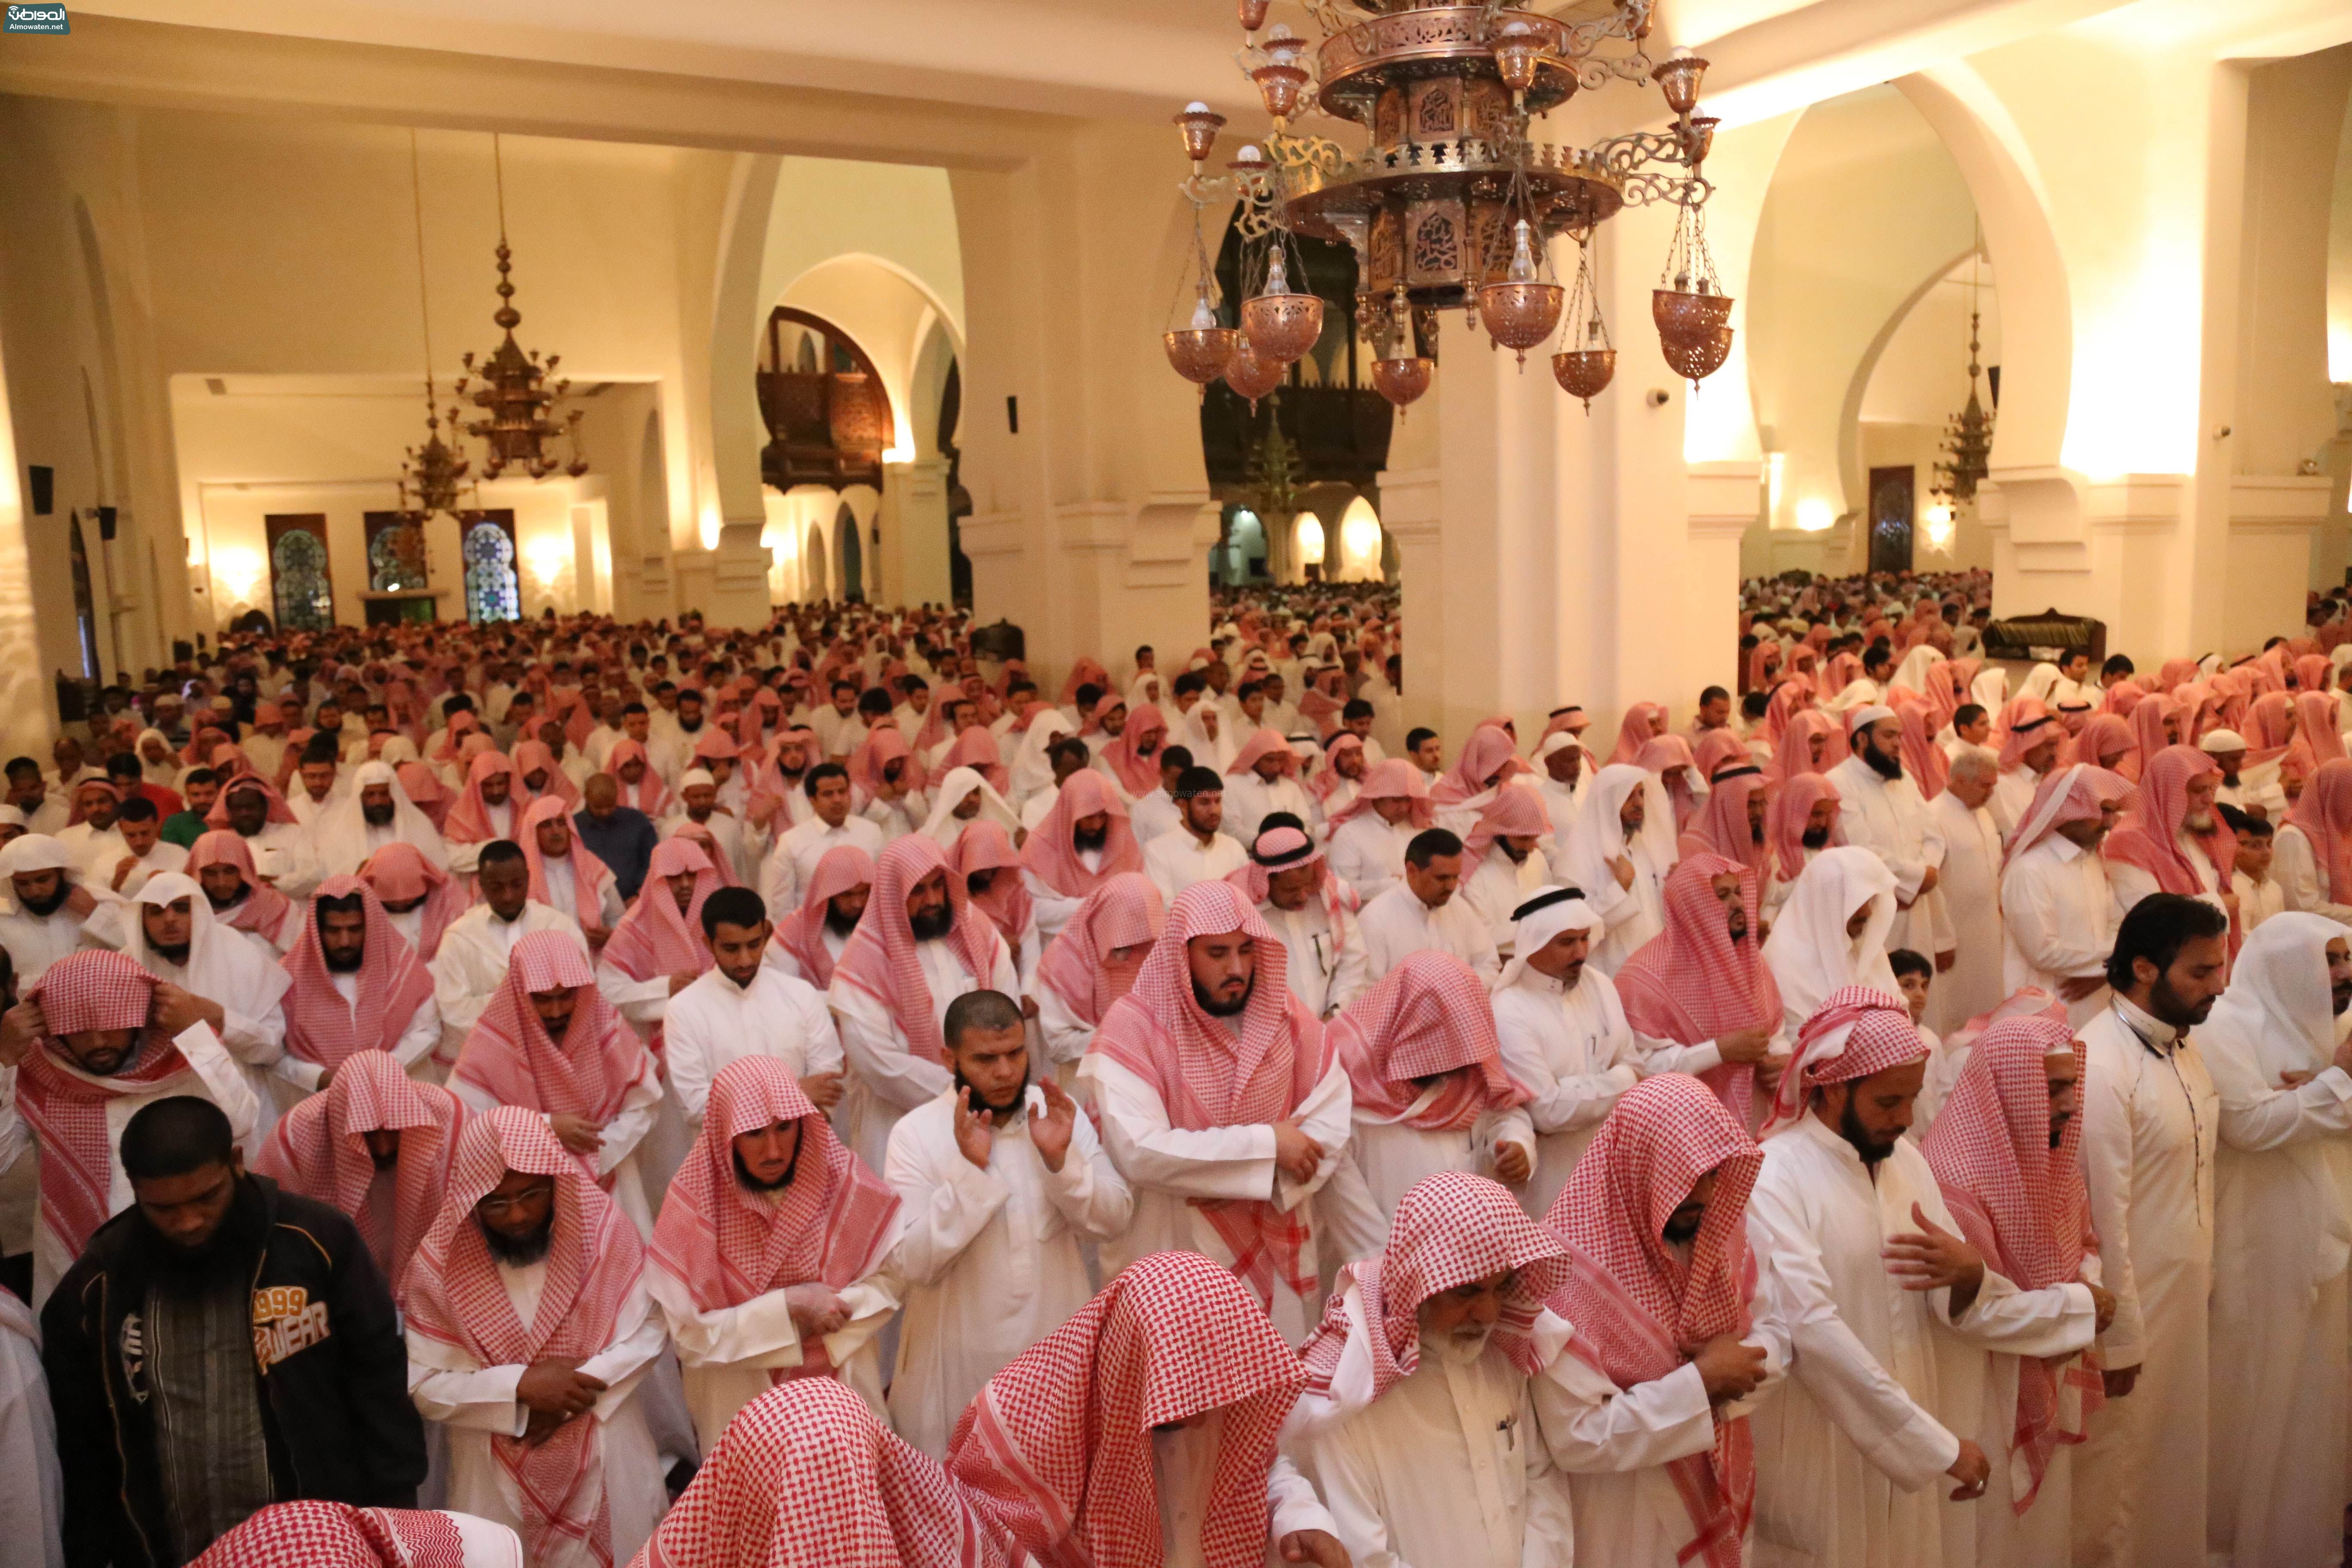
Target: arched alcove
(853, 553)
(817, 581)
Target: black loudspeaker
(106, 523)
(1013, 415)
(42, 483)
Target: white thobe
(1169, 1166)
(1174, 861)
(32, 1485)
(161, 856)
(2301, 877)
(210, 1074)
(1888, 817)
(1328, 968)
(564, 893)
(95, 851)
(2150, 1126)
(2012, 798)
(1850, 1457)
(1968, 887)
(1635, 914)
(2257, 901)
(2058, 921)
(471, 963)
(415, 1043)
(1250, 800)
(1392, 1155)
(2129, 884)
(1573, 1051)
(1053, 909)
(474, 1402)
(1153, 814)
(792, 862)
(1368, 853)
(1500, 886)
(990, 1259)
(1447, 1467)
(714, 1022)
(1397, 924)
(282, 857)
(2282, 1322)
(35, 941)
(885, 1078)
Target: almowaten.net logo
(37, 19)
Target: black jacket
(330, 1370)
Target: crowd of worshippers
(1877, 1128)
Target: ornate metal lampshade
(1403, 381)
(514, 393)
(1201, 350)
(1281, 325)
(1250, 374)
(1520, 311)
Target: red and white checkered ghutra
(321, 1027)
(880, 957)
(312, 1534)
(1428, 1017)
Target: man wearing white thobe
(1880, 810)
(2058, 918)
(698, 807)
(472, 961)
(1564, 1037)
(1197, 851)
(1425, 911)
(1328, 968)
(1368, 850)
(2012, 797)
(1254, 796)
(1969, 886)
(793, 861)
(1618, 859)
(48, 906)
(745, 1006)
(2150, 1128)
(2282, 1238)
(998, 1199)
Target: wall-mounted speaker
(41, 484)
(106, 523)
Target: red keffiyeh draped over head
(2075, 794)
(66, 1106)
(1641, 1310)
(2023, 1204)
(509, 1057)
(649, 794)
(1716, 750)
(1056, 1452)
(1095, 960)
(725, 1245)
(2122, 697)
(1855, 1032)
(2149, 837)
(1395, 779)
(1138, 772)
(589, 874)
(2316, 738)
(1721, 828)
(1514, 813)
(2314, 672)
(469, 815)
(312, 1534)
(2269, 727)
(1264, 743)
(1427, 1018)
(655, 938)
(880, 958)
(321, 1027)
(264, 910)
(453, 737)
(1489, 758)
(1209, 1075)
(1084, 672)
(1691, 983)
(801, 932)
(239, 783)
(1451, 1229)
(985, 846)
(884, 1505)
(1328, 777)
(2025, 723)
(883, 745)
(1793, 758)
(2103, 736)
(1668, 757)
(2150, 732)
(2323, 813)
(399, 872)
(320, 1150)
(537, 757)
(1922, 758)
(1641, 725)
(976, 748)
(456, 1299)
(1052, 853)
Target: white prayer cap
(2221, 741)
(696, 776)
(33, 852)
(1542, 918)
(13, 816)
(374, 773)
(167, 888)
(1866, 715)
(1558, 741)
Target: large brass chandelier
(1453, 201)
(433, 475)
(514, 391)
(1967, 435)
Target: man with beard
(317, 773)
(2279, 1278)
(1802, 822)
(698, 808)
(2031, 736)
(51, 905)
(772, 1258)
(280, 845)
(2174, 841)
(1370, 834)
(1563, 1036)
(357, 986)
(743, 1006)
(920, 945)
(144, 853)
(199, 789)
(1310, 910)
(89, 833)
(1968, 887)
(377, 1145)
(1197, 851)
(1503, 870)
(1648, 1411)
(2006, 1149)
(1850, 1458)
(472, 962)
(91, 1047)
(1001, 1182)
(2058, 919)
(793, 860)
(809, 939)
(1214, 1098)
(778, 802)
(1263, 779)
(210, 972)
(1881, 810)
(1418, 1429)
(1094, 963)
(1084, 837)
(2150, 1127)
(377, 811)
(1620, 858)
(529, 1330)
(226, 1346)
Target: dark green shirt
(183, 828)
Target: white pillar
(915, 531)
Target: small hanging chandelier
(1967, 435)
(432, 475)
(514, 389)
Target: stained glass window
(396, 558)
(298, 563)
(492, 592)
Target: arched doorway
(853, 554)
(493, 592)
(818, 582)
(828, 413)
(86, 602)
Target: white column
(915, 531)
